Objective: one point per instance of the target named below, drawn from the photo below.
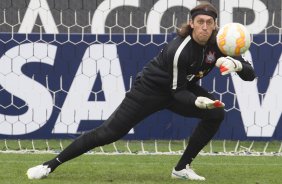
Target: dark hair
(205, 8)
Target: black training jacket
(183, 62)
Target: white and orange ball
(233, 39)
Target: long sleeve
(185, 96)
(247, 73)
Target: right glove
(206, 103)
(228, 65)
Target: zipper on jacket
(204, 50)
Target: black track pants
(210, 121)
(135, 107)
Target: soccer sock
(53, 164)
(200, 137)
(76, 148)
(79, 146)
(82, 144)
(189, 154)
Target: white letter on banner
(258, 7)
(156, 14)
(36, 96)
(98, 58)
(103, 10)
(34, 8)
(259, 118)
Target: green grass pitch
(146, 169)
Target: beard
(203, 37)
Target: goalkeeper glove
(206, 103)
(228, 64)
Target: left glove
(206, 103)
(228, 64)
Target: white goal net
(65, 65)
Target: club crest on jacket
(210, 57)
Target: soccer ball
(233, 39)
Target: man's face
(203, 26)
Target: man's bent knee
(215, 114)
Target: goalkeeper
(169, 81)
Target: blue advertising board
(58, 86)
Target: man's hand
(206, 103)
(228, 64)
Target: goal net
(66, 65)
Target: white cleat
(186, 174)
(38, 172)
